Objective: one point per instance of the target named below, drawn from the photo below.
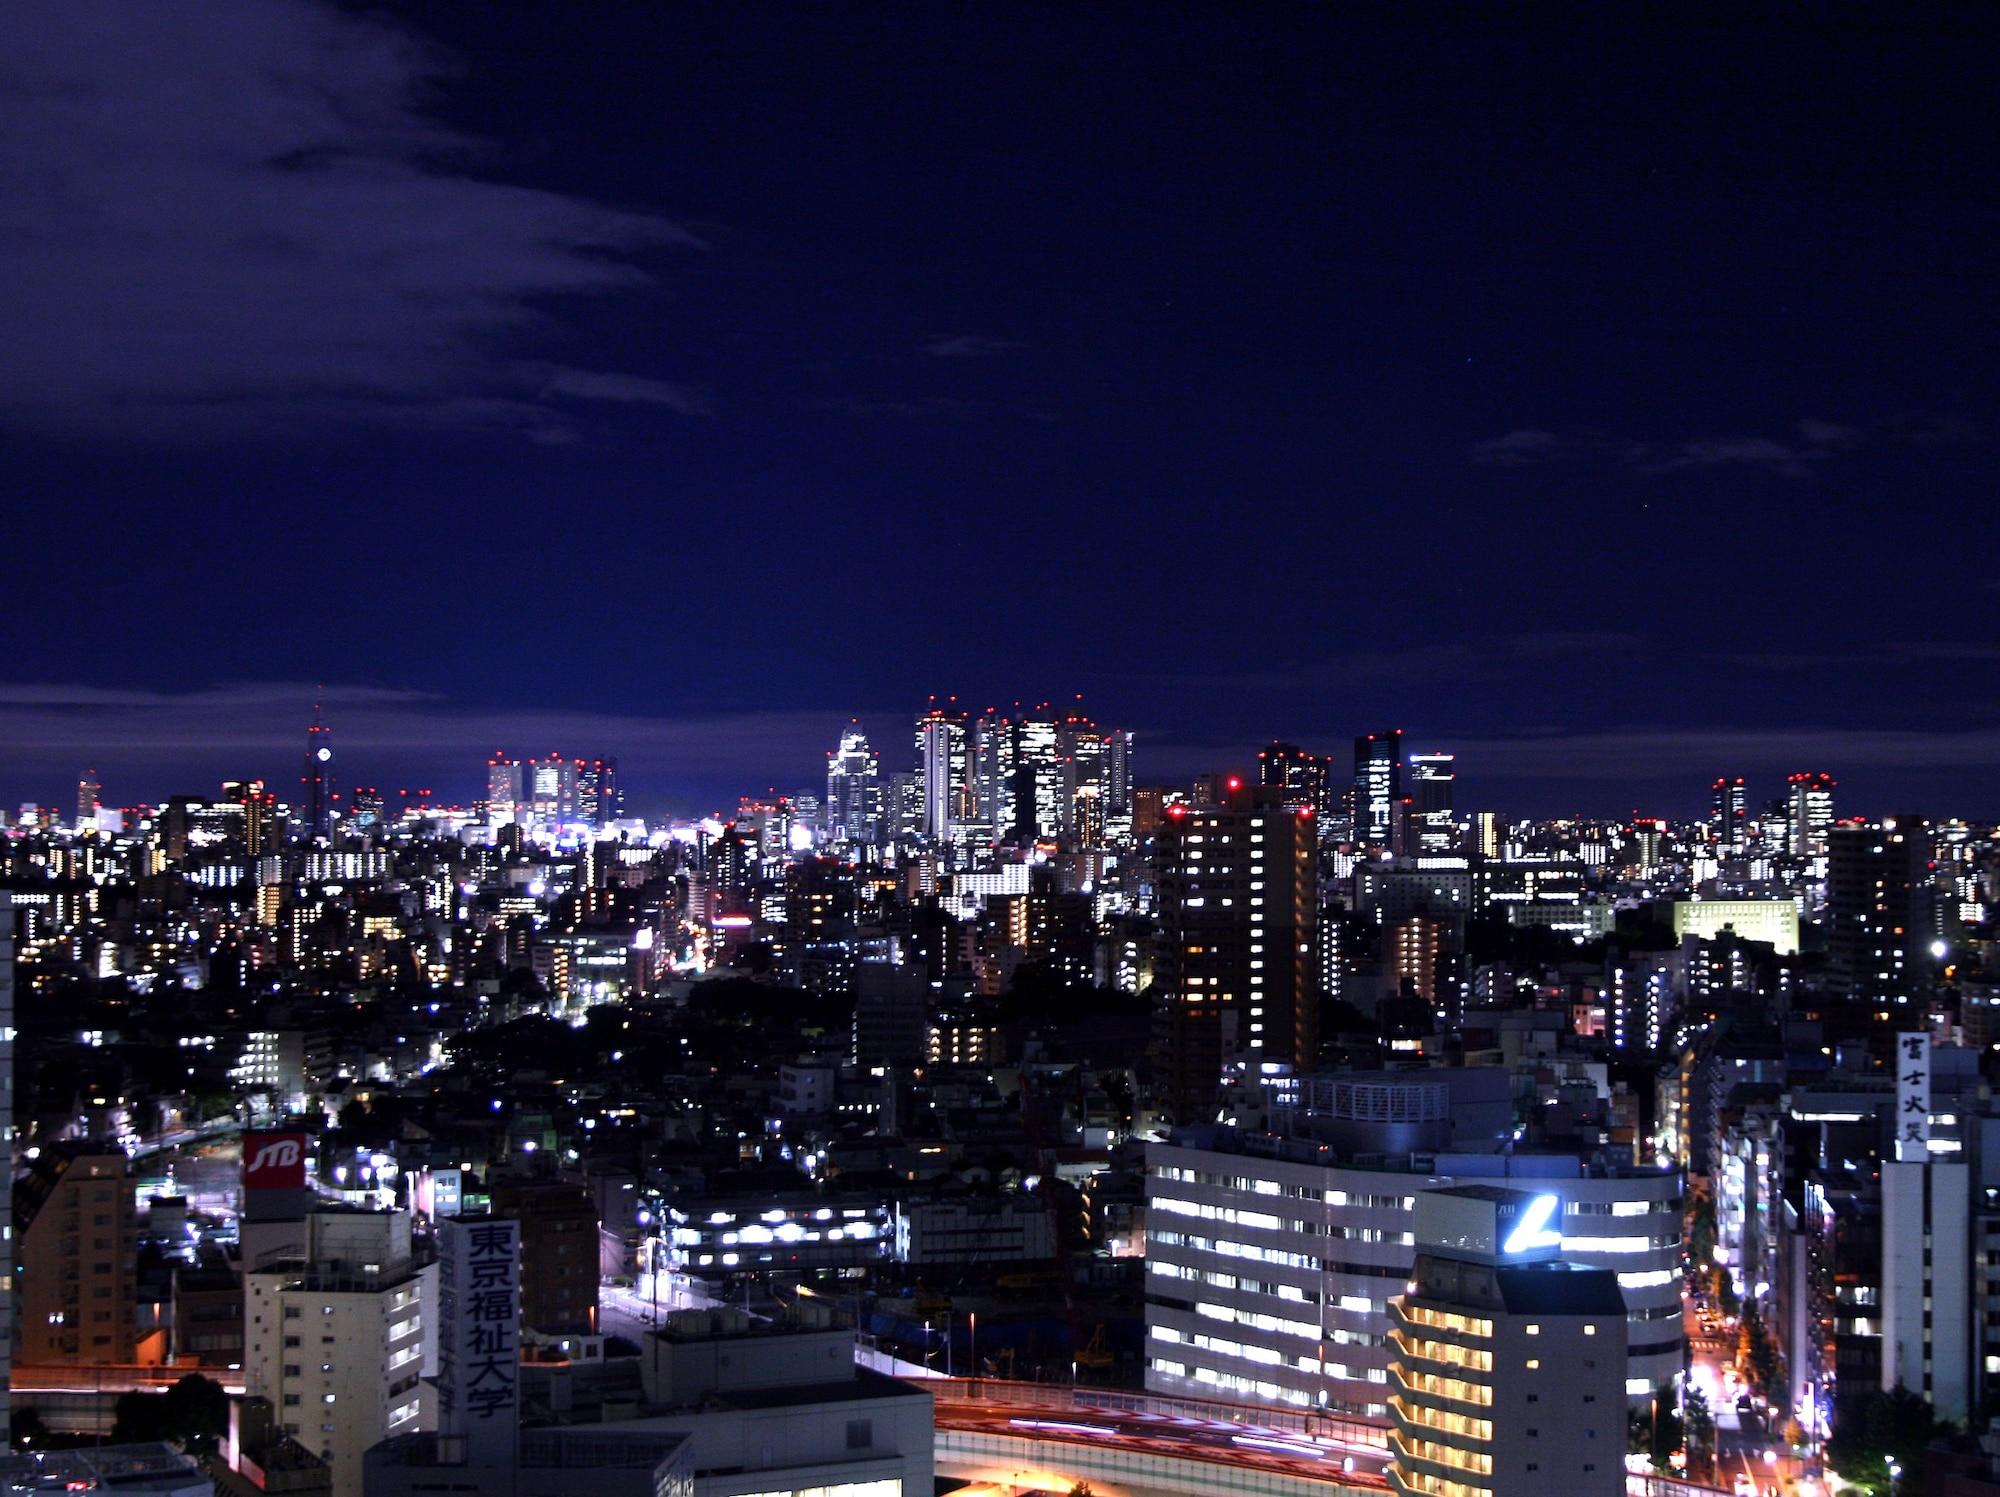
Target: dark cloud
(967, 346)
(1452, 661)
(1815, 443)
(237, 217)
(1652, 753)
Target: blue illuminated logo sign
(1536, 1227)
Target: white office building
(1271, 1261)
(339, 1339)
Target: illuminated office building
(1300, 777)
(1378, 788)
(598, 798)
(995, 761)
(944, 768)
(1038, 776)
(1085, 754)
(552, 789)
(88, 794)
(1435, 775)
(504, 787)
(1118, 772)
(1731, 813)
(853, 808)
(1811, 797)
(1271, 1257)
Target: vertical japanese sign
(1913, 1097)
(479, 1336)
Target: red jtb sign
(274, 1161)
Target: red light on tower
(1177, 811)
(1235, 783)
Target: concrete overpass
(1028, 1437)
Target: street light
(1895, 1476)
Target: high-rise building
(598, 798)
(365, 807)
(79, 1247)
(1239, 906)
(335, 1338)
(944, 766)
(1435, 775)
(1811, 798)
(1731, 813)
(1085, 752)
(1486, 834)
(88, 794)
(504, 796)
(260, 811)
(1507, 1365)
(1378, 788)
(1877, 931)
(853, 809)
(1300, 776)
(995, 764)
(317, 801)
(1118, 773)
(552, 789)
(1038, 776)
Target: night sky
(1606, 395)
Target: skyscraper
(87, 792)
(944, 766)
(1085, 752)
(1435, 776)
(1877, 925)
(317, 781)
(853, 808)
(1239, 904)
(1300, 777)
(1378, 788)
(1038, 776)
(598, 798)
(1732, 814)
(995, 760)
(503, 786)
(260, 807)
(1812, 813)
(1118, 773)
(552, 788)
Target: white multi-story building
(7, 1245)
(339, 1340)
(1271, 1261)
(273, 1061)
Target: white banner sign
(1913, 1096)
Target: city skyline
(424, 767)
